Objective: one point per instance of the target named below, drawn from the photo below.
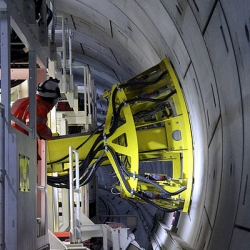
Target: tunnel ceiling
(112, 38)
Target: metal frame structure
(129, 138)
(2, 169)
(74, 189)
(21, 195)
(86, 117)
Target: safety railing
(74, 189)
(2, 169)
(67, 86)
(21, 124)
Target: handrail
(21, 124)
(2, 170)
(74, 220)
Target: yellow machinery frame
(147, 120)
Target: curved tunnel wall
(211, 65)
(224, 215)
(214, 71)
(208, 43)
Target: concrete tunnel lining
(208, 49)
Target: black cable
(63, 181)
(131, 101)
(129, 84)
(90, 156)
(86, 180)
(138, 99)
(168, 210)
(119, 168)
(136, 193)
(144, 179)
(135, 83)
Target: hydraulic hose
(142, 178)
(131, 101)
(120, 169)
(134, 83)
(168, 210)
(63, 181)
(129, 84)
(93, 169)
(67, 156)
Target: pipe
(55, 209)
(89, 90)
(85, 88)
(64, 87)
(53, 24)
(2, 170)
(74, 219)
(70, 55)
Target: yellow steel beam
(123, 141)
(187, 154)
(57, 148)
